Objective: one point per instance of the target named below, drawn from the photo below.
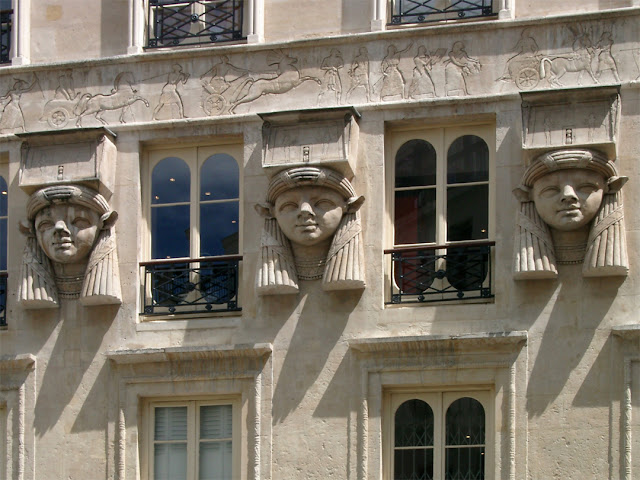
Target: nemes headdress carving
(605, 251)
(41, 286)
(343, 267)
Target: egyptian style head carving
(312, 230)
(570, 212)
(70, 251)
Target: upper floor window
(194, 214)
(193, 440)
(4, 215)
(192, 22)
(441, 195)
(6, 27)
(439, 435)
(421, 11)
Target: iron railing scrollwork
(193, 22)
(440, 273)
(6, 25)
(420, 11)
(178, 286)
(3, 299)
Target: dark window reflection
(170, 182)
(415, 164)
(170, 231)
(415, 216)
(4, 195)
(219, 178)
(467, 212)
(413, 456)
(219, 229)
(465, 440)
(468, 160)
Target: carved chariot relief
(570, 213)
(70, 251)
(312, 231)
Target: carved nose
(568, 193)
(305, 209)
(61, 227)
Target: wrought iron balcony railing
(420, 11)
(3, 299)
(193, 22)
(6, 24)
(440, 273)
(185, 285)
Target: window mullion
(193, 432)
(195, 205)
(441, 189)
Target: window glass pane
(415, 216)
(170, 231)
(465, 422)
(4, 195)
(415, 164)
(170, 423)
(170, 461)
(414, 424)
(467, 213)
(215, 421)
(215, 461)
(468, 160)
(3, 244)
(218, 229)
(413, 464)
(170, 181)
(464, 463)
(219, 178)
(5, 4)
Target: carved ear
(354, 204)
(265, 210)
(522, 193)
(614, 184)
(26, 228)
(109, 219)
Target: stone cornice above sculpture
(70, 251)
(570, 213)
(312, 227)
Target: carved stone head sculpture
(570, 212)
(312, 230)
(70, 251)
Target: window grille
(173, 23)
(6, 25)
(420, 11)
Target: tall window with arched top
(437, 435)
(4, 216)
(440, 206)
(194, 226)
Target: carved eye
(588, 188)
(325, 204)
(81, 222)
(288, 207)
(44, 225)
(549, 192)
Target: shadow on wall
(73, 356)
(579, 310)
(312, 335)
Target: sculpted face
(569, 199)
(67, 232)
(309, 215)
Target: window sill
(191, 321)
(463, 301)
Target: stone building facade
(273, 239)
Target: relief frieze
(240, 81)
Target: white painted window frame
(20, 33)
(253, 23)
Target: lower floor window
(193, 440)
(437, 436)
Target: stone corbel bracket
(585, 117)
(82, 156)
(321, 137)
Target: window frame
(439, 399)
(434, 19)
(191, 158)
(193, 405)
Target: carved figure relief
(606, 62)
(392, 80)
(221, 83)
(312, 231)
(523, 68)
(359, 73)
(458, 67)
(170, 99)
(122, 96)
(12, 119)
(422, 85)
(555, 67)
(59, 110)
(332, 83)
(70, 251)
(570, 213)
(285, 78)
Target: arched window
(413, 440)
(465, 440)
(4, 215)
